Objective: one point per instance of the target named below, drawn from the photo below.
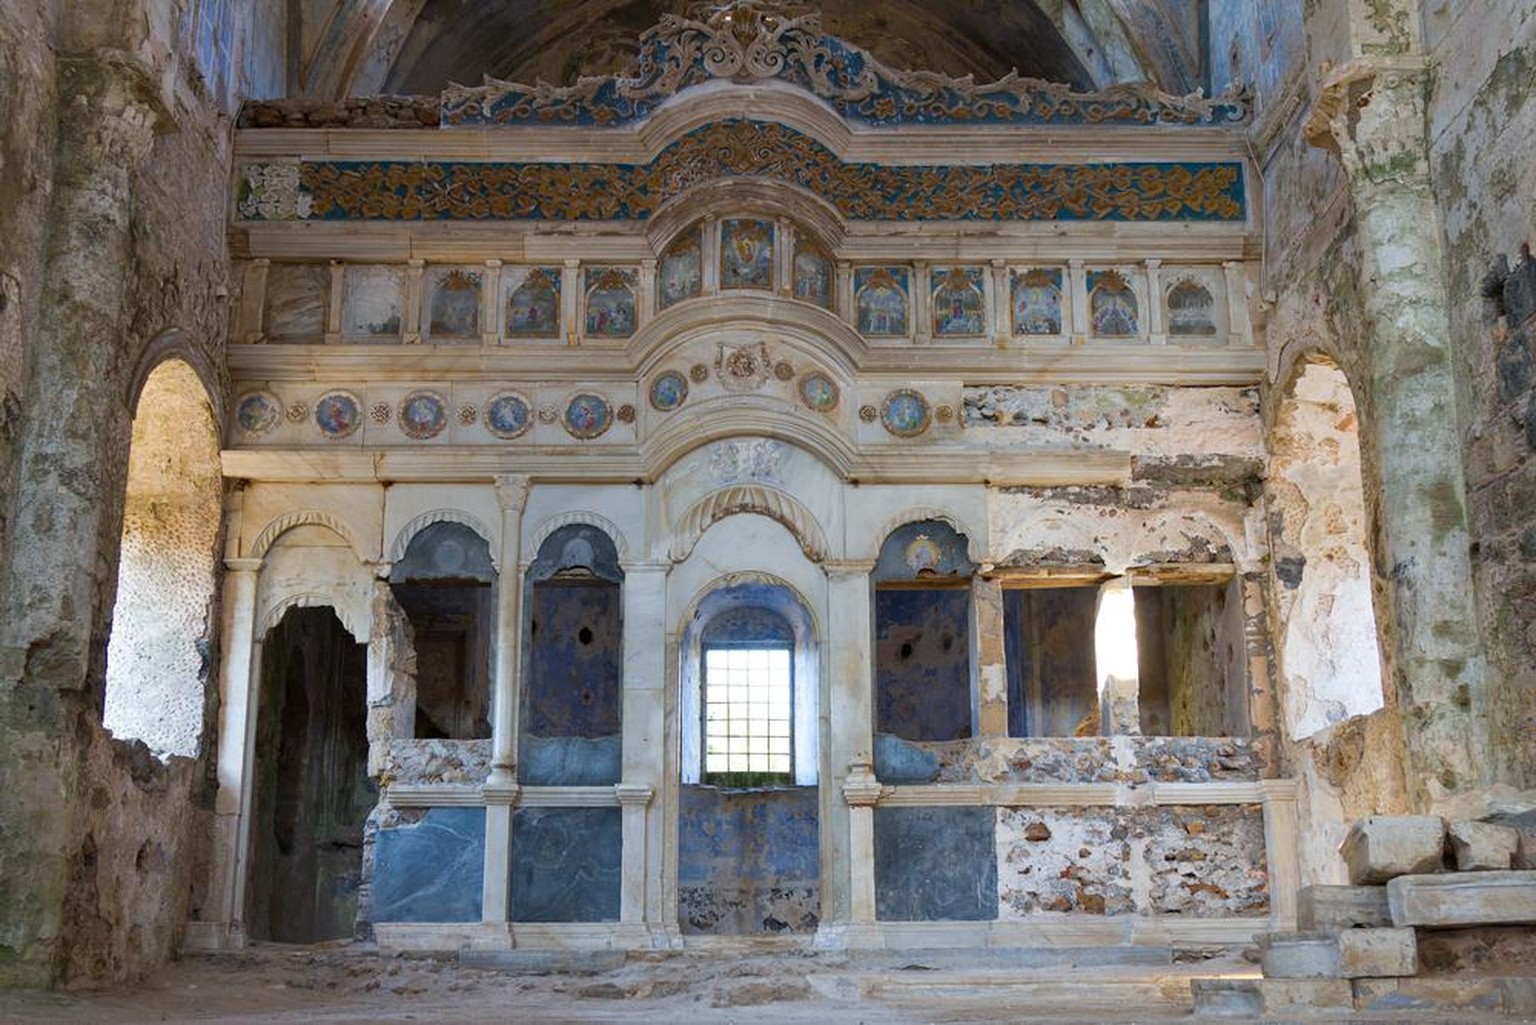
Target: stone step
(1464, 899)
(1469, 998)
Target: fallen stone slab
(1298, 955)
(1381, 847)
(1368, 953)
(1473, 898)
(1324, 908)
(1246, 998)
(1483, 846)
(1430, 994)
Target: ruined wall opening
(162, 629)
(1326, 622)
(445, 586)
(922, 619)
(312, 791)
(748, 817)
(571, 734)
(1191, 660)
(1048, 643)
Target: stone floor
(336, 984)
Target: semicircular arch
(757, 498)
(802, 326)
(716, 419)
(416, 526)
(303, 518)
(585, 517)
(748, 197)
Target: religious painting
(680, 272)
(371, 311)
(296, 301)
(1191, 308)
(818, 391)
(508, 415)
(423, 415)
(453, 304)
(258, 412)
(746, 254)
(959, 301)
(610, 302)
(338, 414)
(881, 297)
(532, 303)
(587, 416)
(1037, 301)
(813, 276)
(1112, 307)
(668, 391)
(905, 413)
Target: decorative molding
(748, 41)
(439, 190)
(310, 600)
(301, 518)
(512, 492)
(542, 532)
(749, 498)
(416, 526)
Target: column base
(212, 938)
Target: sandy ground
(347, 983)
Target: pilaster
(850, 731)
(501, 789)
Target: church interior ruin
(626, 478)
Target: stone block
(1298, 955)
(1284, 996)
(1483, 846)
(1382, 847)
(1379, 953)
(1429, 994)
(1226, 998)
(1479, 898)
(1342, 907)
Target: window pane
(748, 710)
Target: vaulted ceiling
(359, 47)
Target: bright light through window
(747, 715)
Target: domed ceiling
(361, 47)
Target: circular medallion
(923, 555)
(784, 370)
(468, 414)
(818, 391)
(587, 416)
(626, 414)
(869, 414)
(338, 414)
(668, 391)
(698, 373)
(257, 412)
(422, 415)
(507, 415)
(904, 413)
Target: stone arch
(273, 613)
(300, 518)
(410, 530)
(1325, 628)
(917, 513)
(175, 344)
(783, 508)
(759, 416)
(156, 673)
(748, 197)
(748, 316)
(547, 528)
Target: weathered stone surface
(1502, 948)
(1482, 846)
(430, 871)
(1377, 953)
(1428, 994)
(1324, 907)
(1299, 955)
(1378, 847)
(1482, 898)
(1226, 998)
(1282, 996)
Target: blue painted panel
(935, 864)
(432, 871)
(748, 860)
(574, 664)
(900, 761)
(566, 864)
(922, 663)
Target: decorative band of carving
(750, 498)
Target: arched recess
(416, 526)
(302, 518)
(1326, 625)
(749, 498)
(162, 622)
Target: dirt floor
(354, 983)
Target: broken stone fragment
(1483, 846)
(1481, 898)
(1329, 908)
(1298, 955)
(1381, 847)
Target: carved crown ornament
(758, 40)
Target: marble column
(644, 748)
(501, 789)
(1371, 116)
(847, 858)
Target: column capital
(634, 795)
(841, 569)
(861, 789)
(380, 568)
(501, 788)
(243, 565)
(1371, 114)
(512, 491)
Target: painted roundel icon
(508, 415)
(818, 391)
(257, 412)
(668, 391)
(422, 415)
(587, 416)
(905, 413)
(338, 414)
